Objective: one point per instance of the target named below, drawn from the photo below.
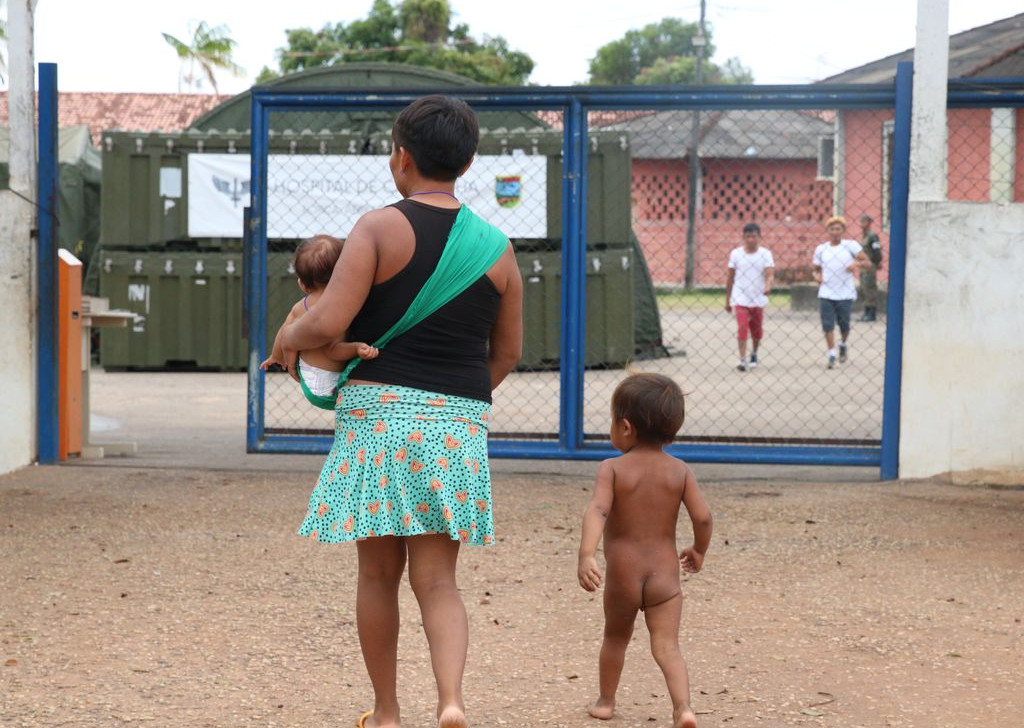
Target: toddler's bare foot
(452, 717)
(684, 718)
(602, 709)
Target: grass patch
(704, 298)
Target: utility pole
(694, 194)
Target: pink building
(789, 171)
(757, 166)
(986, 146)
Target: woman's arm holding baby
(329, 318)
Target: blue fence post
(570, 431)
(890, 465)
(255, 262)
(47, 384)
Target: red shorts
(750, 321)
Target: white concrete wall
(962, 410)
(17, 348)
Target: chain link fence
(776, 169)
(667, 194)
(986, 154)
(327, 178)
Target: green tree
(661, 53)
(210, 48)
(425, 21)
(416, 32)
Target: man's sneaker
(753, 360)
(742, 366)
(831, 362)
(842, 353)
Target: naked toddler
(635, 506)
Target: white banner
(326, 194)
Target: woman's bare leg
(381, 565)
(663, 624)
(432, 562)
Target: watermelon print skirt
(405, 462)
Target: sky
(116, 45)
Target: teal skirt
(404, 462)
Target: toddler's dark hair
(441, 134)
(315, 258)
(752, 227)
(653, 403)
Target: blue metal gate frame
(575, 103)
(47, 180)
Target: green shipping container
(187, 306)
(610, 310)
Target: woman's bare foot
(684, 718)
(371, 721)
(602, 709)
(452, 717)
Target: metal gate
(630, 201)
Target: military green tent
(78, 212)
(138, 219)
(236, 114)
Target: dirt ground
(163, 596)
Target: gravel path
(179, 597)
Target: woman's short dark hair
(441, 134)
(315, 258)
(654, 405)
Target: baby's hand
(690, 560)
(588, 573)
(365, 351)
(270, 361)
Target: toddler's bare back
(648, 492)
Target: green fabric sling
(473, 246)
(323, 401)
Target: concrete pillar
(1002, 160)
(17, 219)
(929, 133)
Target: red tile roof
(133, 111)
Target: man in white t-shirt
(747, 286)
(836, 263)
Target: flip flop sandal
(361, 723)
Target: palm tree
(211, 48)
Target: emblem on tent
(508, 189)
(235, 189)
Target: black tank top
(445, 352)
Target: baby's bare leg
(620, 608)
(663, 624)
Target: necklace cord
(434, 192)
